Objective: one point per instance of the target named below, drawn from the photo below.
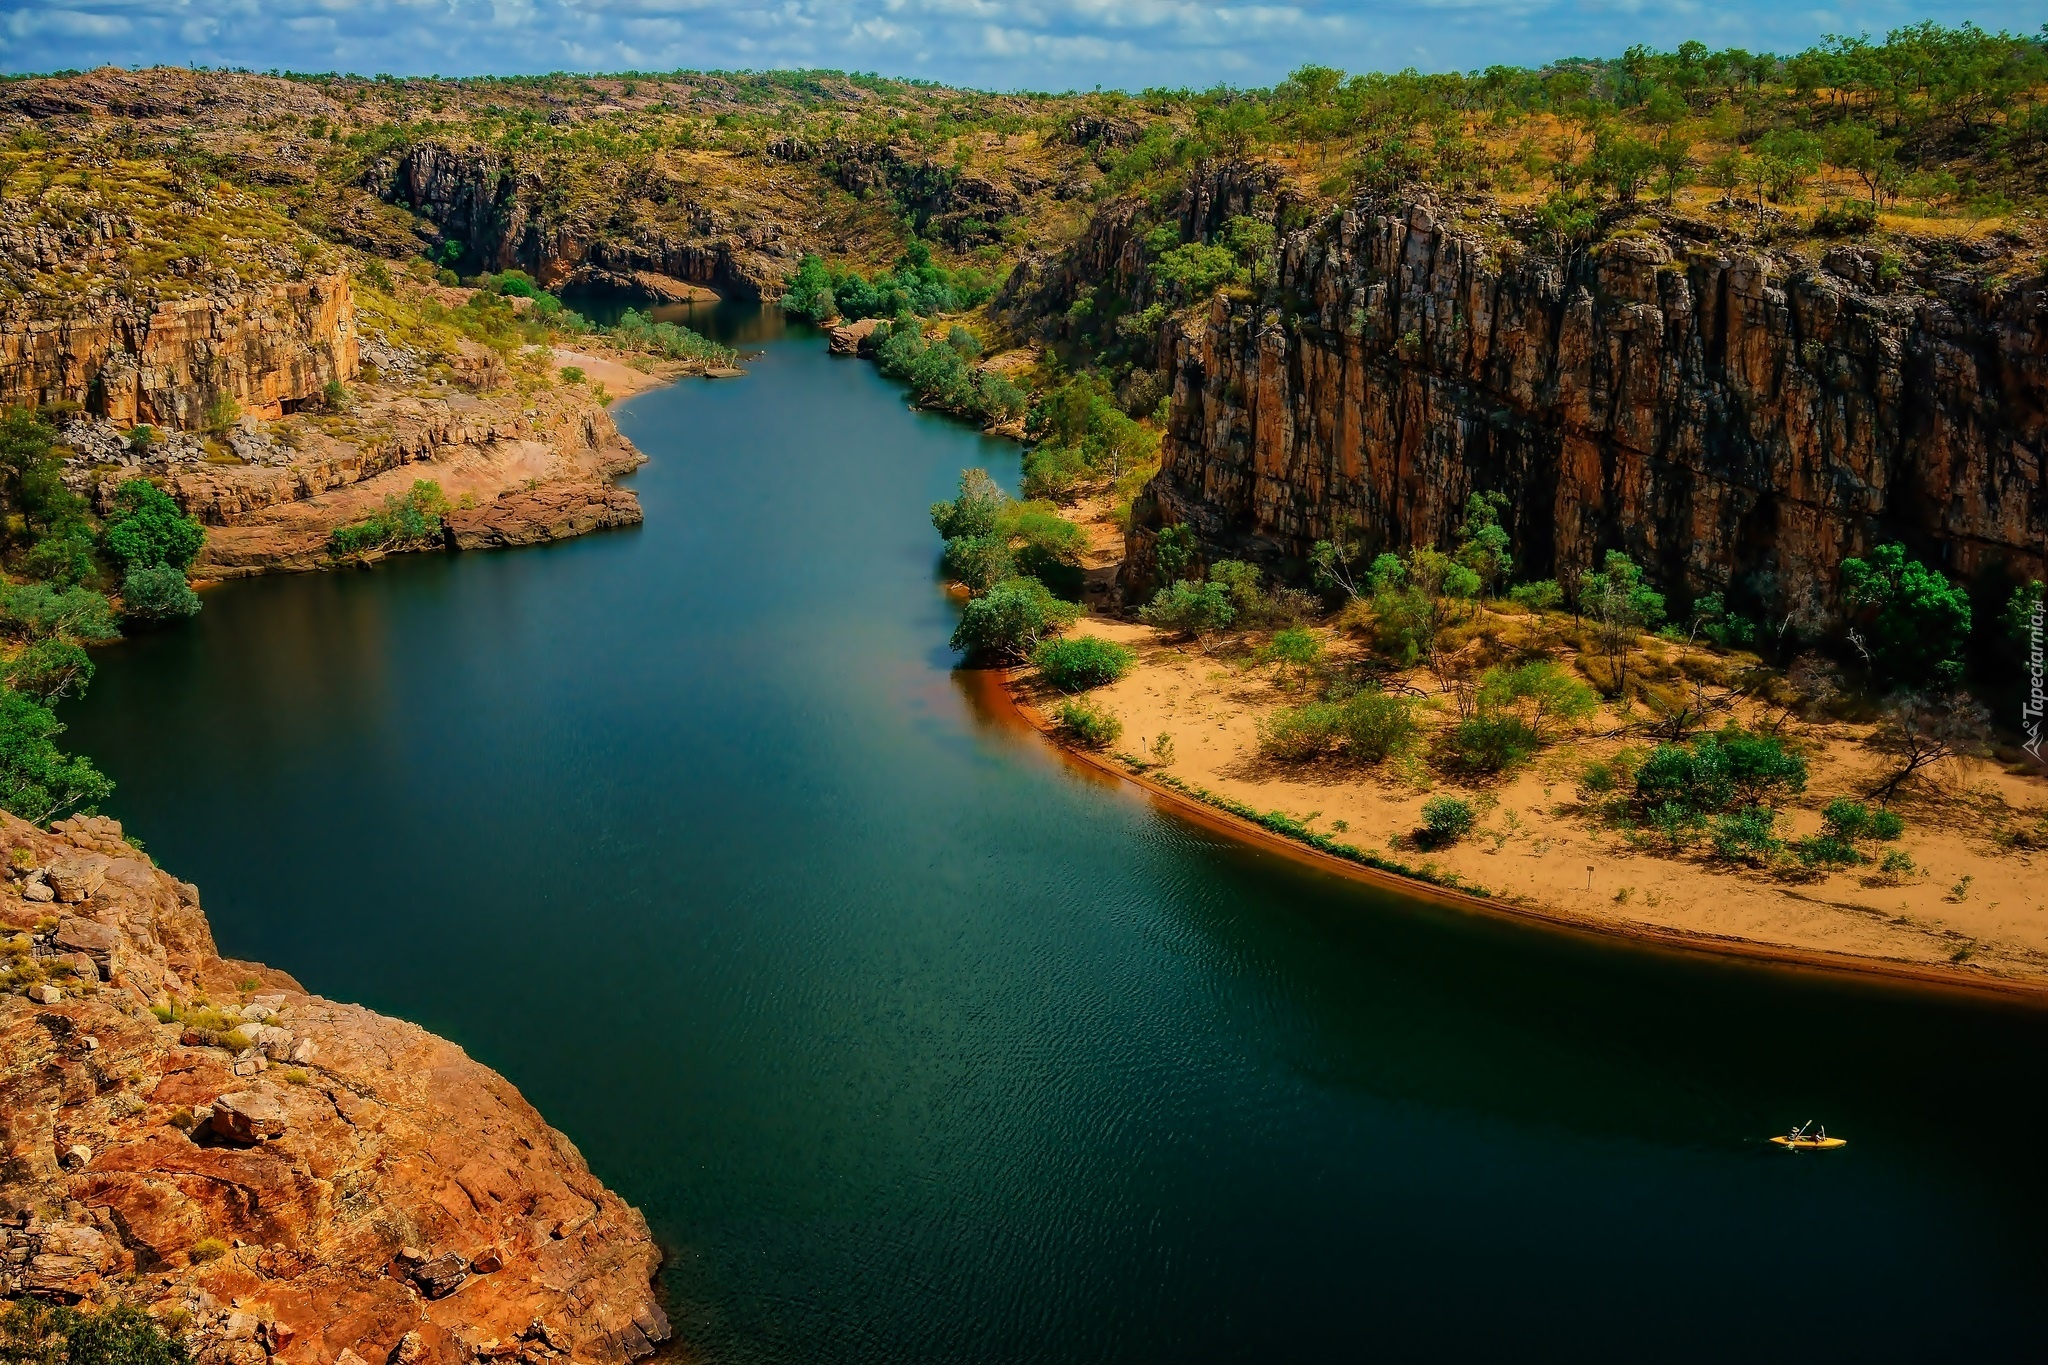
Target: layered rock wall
(491, 207)
(1729, 416)
(268, 348)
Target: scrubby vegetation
(35, 1333)
(412, 520)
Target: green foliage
(32, 478)
(1076, 663)
(1678, 825)
(1917, 622)
(411, 521)
(1173, 551)
(157, 593)
(1416, 599)
(1087, 723)
(1490, 742)
(1192, 271)
(572, 374)
(1540, 692)
(38, 782)
(1542, 595)
(975, 511)
(1190, 608)
(1296, 652)
(1010, 619)
(978, 563)
(1446, 819)
(1368, 727)
(1717, 772)
(1747, 835)
(1622, 606)
(33, 1333)
(146, 529)
(916, 285)
(940, 375)
(62, 558)
(49, 669)
(1483, 542)
(636, 331)
(35, 610)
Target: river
(915, 1043)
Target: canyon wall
(1733, 417)
(268, 348)
(491, 208)
(303, 1181)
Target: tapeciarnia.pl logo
(2037, 698)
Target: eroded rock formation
(308, 1182)
(267, 348)
(1731, 416)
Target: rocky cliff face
(1730, 416)
(493, 209)
(268, 348)
(307, 1181)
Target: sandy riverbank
(1541, 852)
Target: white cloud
(1000, 44)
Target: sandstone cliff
(1734, 416)
(304, 1179)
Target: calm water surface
(915, 1044)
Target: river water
(917, 1044)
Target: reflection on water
(736, 322)
(917, 1044)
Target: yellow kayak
(1811, 1144)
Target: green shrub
(61, 559)
(635, 331)
(1446, 819)
(1377, 725)
(1054, 471)
(1489, 742)
(1087, 723)
(1827, 850)
(1717, 772)
(1076, 663)
(146, 529)
(572, 374)
(1896, 865)
(33, 1333)
(35, 610)
(208, 1249)
(1539, 692)
(1543, 595)
(978, 562)
(407, 522)
(1886, 825)
(1917, 621)
(38, 782)
(1748, 835)
(50, 668)
(1299, 734)
(1190, 609)
(977, 509)
(1297, 651)
(1009, 620)
(157, 594)
(1678, 826)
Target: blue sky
(996, 44)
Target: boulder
(852, 338)
(442, 1276)
(75, 879)
(249, 1116)
(45, 994)
(37, 889)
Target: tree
(1918, 731)
(49, 669)
(157, 593)
(974, 511)
(38, 782)
(1857, 147)
(1417, 599)
(31, 475)
(1541, 692)
(1190, 608)
(1909, 622)
(1483, 545)
(147, 530)
(1009, 620)
(1622, 606)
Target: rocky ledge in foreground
(302, 1181)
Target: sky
(991, 44)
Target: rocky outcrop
(266, 348)
(1736, 418)
(493, 209)
(383, 1197)
(530, 516)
